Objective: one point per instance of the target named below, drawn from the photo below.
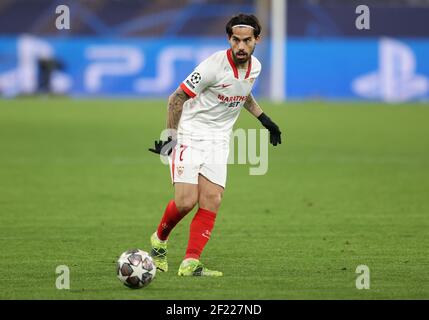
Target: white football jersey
(218, 91)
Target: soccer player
(204, 109)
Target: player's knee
(211, 200)
(185, 205)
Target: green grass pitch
(348, 186)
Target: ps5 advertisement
(380, 69)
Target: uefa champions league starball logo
(195, 78)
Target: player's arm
(174, 112)
(203, 76)
(175, 108)
(253, 107)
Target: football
(135, 268)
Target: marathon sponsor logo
(189, 83)
(224, 99)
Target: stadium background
(348, 186)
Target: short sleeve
(202, 77)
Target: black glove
(164, 147)
(275, 134)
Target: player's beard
(242, 59)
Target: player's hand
(275, 133)
(164, 148)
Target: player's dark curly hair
(247, 19)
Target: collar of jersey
(234, 67)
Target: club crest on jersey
(180, 170)
(251, 80)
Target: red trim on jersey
(231, 62)
(234, 67)
(187, 90)
(172, 163)
(249, 68)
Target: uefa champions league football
(135, 268)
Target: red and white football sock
(169, 220)
(201, 228)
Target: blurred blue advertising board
(383, 69)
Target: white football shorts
(206, 157)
